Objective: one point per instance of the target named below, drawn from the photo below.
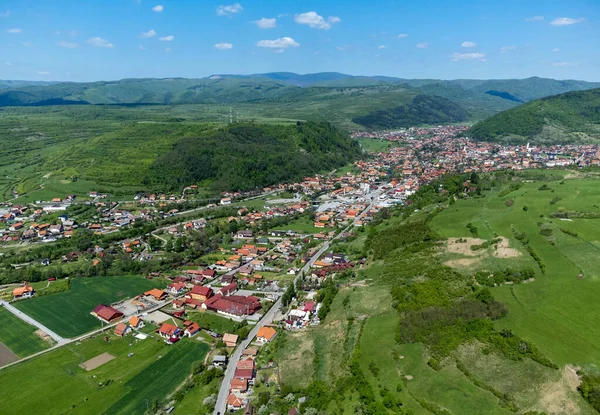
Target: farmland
(68, 313)
(121, 386)
(19, 336)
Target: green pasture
(68, 313)
(19, 336)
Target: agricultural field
(558, 310)
(124, 385)
(68, 313)
(18, 336)
(373, 145)
(303, 225)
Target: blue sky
(86, 40)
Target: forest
(244, 157)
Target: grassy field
(373, 145)
(303, 225)
(558, 311)
(120, 386)
(68, 313)
(212, 321)
(19, 336)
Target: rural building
(234, 403)
(158, 295)
(192, 330)
(106, 313)
(168, 331)
(265, 334)
(233, 305)
(230, 340)
(122, 329)
(136, 323)
(200, 293)
(25, 291)
(238, 386)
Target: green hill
(566, 118)
(423, 109)
(242, 157)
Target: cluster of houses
(240, 387)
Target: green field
(19, 336)
(68, 313)
(374, 145)
(558, 311)
(212, 321)
(56, 383)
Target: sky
(90, 40)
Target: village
(266, 256)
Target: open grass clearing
(18, 336)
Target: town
(254, 264)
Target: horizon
(165, 39)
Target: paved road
(58, 339)
(221, 405)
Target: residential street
(221, 405)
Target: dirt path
(7, 355)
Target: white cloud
(341, 48)
(27, 44)
(8, 63)
(565, 21)
(150, 33)
(535, 19)
(68, 45)
(505, 49)
(15, 30)
(169, 38)
(5, 13)
(279, 50)
(555, 50)
(223, 46)
(564, 64)
(167, 50)
(158, 8)
(316, 21)
(468, 44)
(423, 45)
(223, 10)
(403, 35)
(280, 43)
(472, 56)
(100, 43)
(381, 47)
(143, 47)
(266, 23)
(43, 73)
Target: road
(221, 405)
(58, 339)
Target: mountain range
(320, 96)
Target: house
(246, 364)
(265, 334)
(247, 374)
(233, 305)
(234, 403)
(122, 329)
(219, 361)
(200, 293)
(293, 411)
(230, 340)
(177, 288)
(192, 330)
(244, 234)
(136, 323)
(158, 295)
(26, 291)
(229, 289)
(250, 351)
(106, 313)
(169, 331)
(238, 386)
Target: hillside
(243, 157)
(565, 118)
(423, 109)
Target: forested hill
(567, 118)
(243, 157)
(423, 109)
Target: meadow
(212, 321)
(19, 336)
(68, 313)
(55, 384)
(558, 310)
